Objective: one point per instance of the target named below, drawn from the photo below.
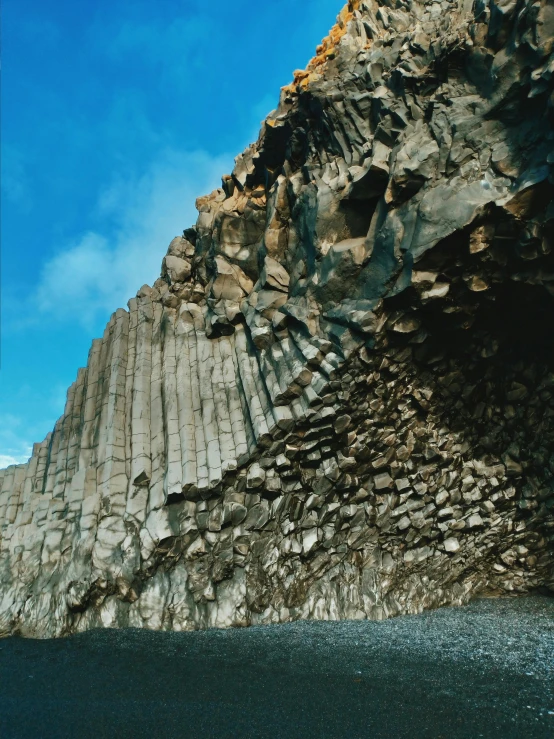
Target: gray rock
(177, 269)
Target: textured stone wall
(337, 399)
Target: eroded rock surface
(338, 399)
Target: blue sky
(116, 115)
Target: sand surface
(485, 670)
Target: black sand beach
(485, 670)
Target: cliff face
(338, 399)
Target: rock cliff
(337, 401)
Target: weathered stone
(474, 521)
(451, 545)
(177, 269)
(382, 481)
(255, 477)
(342, 423)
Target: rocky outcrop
(338, 399)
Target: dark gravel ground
(485, 670)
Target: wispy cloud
(14, 447)
(6, 461)
(18, 432)
(101, 269)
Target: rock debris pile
(337, 401)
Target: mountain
(337, 401)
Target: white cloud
(103, 268)
(6, 460)
(13, 448)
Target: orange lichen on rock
(326, 49)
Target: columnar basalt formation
(338, 399)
